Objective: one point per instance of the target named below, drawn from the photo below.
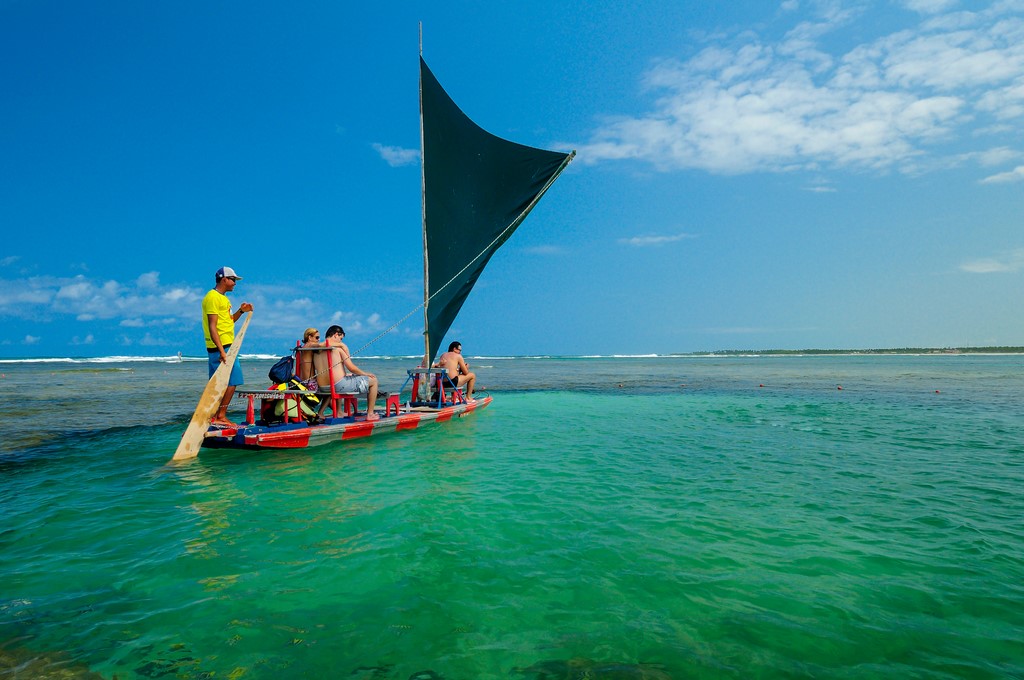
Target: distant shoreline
(854, 352)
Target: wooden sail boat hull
(302, 435)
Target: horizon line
(122, 358)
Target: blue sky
(750, 175)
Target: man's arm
(211, 320)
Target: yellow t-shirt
(217, 303)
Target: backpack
(283, 370)
(272, 410)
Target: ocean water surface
(818, 516)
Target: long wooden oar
(209, 401)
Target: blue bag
(283, 370)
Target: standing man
(219, 329)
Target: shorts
(236, 370)
(360, 384)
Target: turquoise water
(691, 523)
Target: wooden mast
(423, 203)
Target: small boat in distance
(477, 189)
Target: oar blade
(190, 442)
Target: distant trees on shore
(895, 350)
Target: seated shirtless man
(458, 369)
(347, 376)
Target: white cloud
(755, 105)
(177, 294)
(78, 289)
(87, 299)
(930, 6)
(1015, 175)
(171, 311)
(642, 241)
(357, 323)
(148, 340)
(996, 156)
(951, 60)
(1011, 261)
(148, 280)
(31, 340)
(21, 294)
(396, 156)
(9, 260)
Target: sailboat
(477, 189)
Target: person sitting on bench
(348, 378)
(458, 370)
(311, 338)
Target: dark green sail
(477, 189)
